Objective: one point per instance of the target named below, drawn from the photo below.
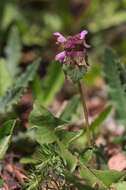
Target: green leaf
(41, 116)
(5, 79)
(13, 51)
(67, 137)
(80, 142)
(10, 15)
(90, 178)
(112, 17)
(51, 84)
(100, 119)
(45, 124)
(76, 181)
(120, 186)
(45, 135)
(87, 155)
(108, 177)
(13, 95)
(104, 178)
(1, 182)
(116, 89)
(6, 132)
(71, 108)
(28, 160)
(68, 157)
(75, 73)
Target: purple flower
(74, 48)
(60, 56)
(60, 38)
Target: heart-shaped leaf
(41, 116)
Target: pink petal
(86, 45)
(60, 37)
(82, 37)
(83, 34)
(60, 56)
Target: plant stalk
(82, 94)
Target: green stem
(82, 94)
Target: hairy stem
(82, 94)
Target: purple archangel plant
(75, 63)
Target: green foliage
(116, 89)
(71, 108)
(1, 182)
(68, 137)
(13, 52)
(120, 185)
(51, 84)
(34, 182)
(13, 95)
(80, 140)
(48, 166)
(75, 73)
(5, 79)
(41, 116)
(100, 119)
(45, 134)
(10, 15)
(93, 74)
(103, 178)
(111, 17)
(6, 132)
(44, 123)
(87, 155)
(76, 182)
(68, 157)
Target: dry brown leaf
(117, 162)
(16, 172)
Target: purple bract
(74, 48)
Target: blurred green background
(36, 20)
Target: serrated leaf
(13, 51)
(13, 95)
(116, 90)
(5, 79)
(75, 73)
(6, 132)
